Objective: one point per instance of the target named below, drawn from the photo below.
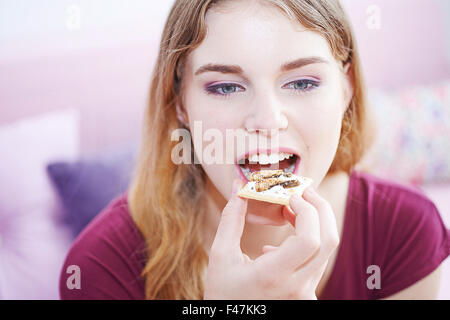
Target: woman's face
(261, 74)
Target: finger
(288, 215)
(328, 230)
(268, 248)
(298, 248)
(247, 259)
(232, 221)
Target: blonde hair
(164, 198)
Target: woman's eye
(303, 85)
(226, 89)
(222, 89)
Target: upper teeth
(263, 158)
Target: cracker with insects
(274, 186)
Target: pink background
(103, 68)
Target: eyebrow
(235, 69)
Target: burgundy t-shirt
(387, 226)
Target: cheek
(212, 113)
(318, 126)
(321, 138)
(318, 120)
(208, 126)
(221, 176)
(208, 136)
(213, 117)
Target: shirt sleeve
(417, 241)
(103, 263)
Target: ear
(348, 84)
(182, 116)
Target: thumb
(232, 222)
(268, 248)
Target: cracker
(278, 194)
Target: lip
(267, 151)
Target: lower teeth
(246, 171)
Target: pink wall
(409, 48)
(109, 83)
(107, 86)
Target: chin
(265, 213)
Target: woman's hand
(290, 271)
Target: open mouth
(288, 162)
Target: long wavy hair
(165, 199)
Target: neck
(333, 188)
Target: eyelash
(310, 83)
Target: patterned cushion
(413, 134)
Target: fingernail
(309, 192)
(290, 211)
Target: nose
(266, 116)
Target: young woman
(285, 71)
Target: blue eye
(303, 85)
(224, 89)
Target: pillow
(413, 134)
(86, 186)
(32, 244)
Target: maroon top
(386, 224)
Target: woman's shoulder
(108, 254)
(401, 230)
(114, 222)
(382, 194)
(391, 205)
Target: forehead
(253, 35)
